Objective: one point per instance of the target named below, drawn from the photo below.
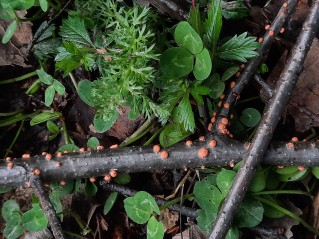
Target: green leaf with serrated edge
(172, 134)
(34, 219)
(58, 87)
(90, 188)
(104, 121)
(215, 85)
(44, 116)
(287, 170)
(205, 218)
(52, 127)
(186, 37)
(5, 189)
(213, 25)
(315, 172)
(122, 178)
(249, 213)
(43, 5)
(269, 211)
(250, 117)
(93, 142)
(224, 180)
(294, 177)
(57, 204)
(86, 92)
(258, 183)
(194, 20)
(207, 195)
(9, 32)
(11, 211)
(185, 115)
(239, 48)
(233, 233)
(140, 206)
(155, 229)
(73, 29)
(109, 202)
(229, 73)
(69, 148)
(176, 62)
(203, 65)
(232, 10)
(60, 190)
(49, 95)
(13, 230)
(45, 77)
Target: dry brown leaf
(169, 218)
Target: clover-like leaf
(13, 230)
(215, 85)
(250, 117)
(49, 95)
(224, 180)
(11, 211)
(34, 219)
(110, 202)
(93, 142)
(9, 32)
(155, 229)
(249, 214)
(203, 65)
(105, 120)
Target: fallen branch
(139, 159)
(267, 125)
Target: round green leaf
(93, 142)
(258, 182)
(233, 233)
(56, 202)
(270, 211)
(43, 5)
(45, 77)
(59, 87)
(224, 180)
(122, 178)
(60, 190)
(249, 214)
(294, 177)
(176, 62)
(110, 202)
(69, 148)
(104, 121)
(49, 95)
(185, 36)
(250, 117)
(315, 172)
(34, 219)
(85, 90)
(90, 188)
(11, 211)
(140, 206)
(203, 65)
(52, 127)
(9, 32)
(287, 170)
(229, 72)
(155, 229)
(215, 85)
(12, 230)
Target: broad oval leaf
(315, 172)
(56, 202)
(58, 87)
(60, 190)
(45, 77)
(176, 62)
(294, 177)
(122, 178)
(258, 183)
(43, 5)
(49, 95)
(11, 211)
(249, 214)
(229, 72)
(44, 116)
(93, 142)
(34, 219)
(13, 230)
(90, 188)
(155, 229)
(68, 148)
(9, 32)
(185, 36)
(203, 65)
(110, 202)
(287, 170)
(215, 85)
(52, 127)
(224, 180)
(250, 117)
(21, 4)
(172, 134)
(104, 121)
(86, 92)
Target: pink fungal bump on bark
(231, 164)
(107, 178)
(48, 156)
(267, 27)
(37, 171)
(82, 150)
(26, 156)
(212, 143)
(89, 149)
(202, 167)
(203, 153)
(63, 182)
(280, 166)
(28, 184)
(114, 146)
(156, 148)
(260, 39)
(201, 138)
(10, 165)
(285, 4)
(301, 168)
(189, 143)
(282, 30)
(8, 158)
(164, 155)
(210, 127)
(294, 139)
(113, 173)
(92, 179)
(58, 164)
(59, 154)
(65, 152)
(271, 33)
(100, 147)
(43, 153)
(290, 145)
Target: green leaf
(6, 12)
(19, 4)
(224, 180)
(233, 233)
(258, 183)
(186, 37)
(155, 229)
(213, 25)
(194, 20)
(11, 211)
(49, 95)
(110, 202)
(34, 219)
(90, 188)
(86, 92)
(122, 178)
(56, 202)
(52, 127)
(287, 170)
(69, 148)
(93, 142)
(5, 189)
(249, 214)
(185, 115)
(43, 5)
(294, 177)
(205, 218)
(44, 116)
(12, 230)
(58, 87)
(104, 121)
(269, 211)
(250, 117)
(172, 134)
(229, 73)
(73, 29)
(315, 172)
(201, 90)
(140, 206)
(60, 190)
(215, 85)
(239, 48)
(9, 32)
(203, 65)
(45, 77)
(176, 62)
(234, 10)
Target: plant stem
(295, 192)
(14, 140)
(74, 82)
(10, 113)
(148, 142)
(175, 201)
(65, 132)
(20, 78)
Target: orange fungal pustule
(213, 119)
(285, 4)
(290, 145)
(224, 121)
(226, 105)
(294, 139)
(58, 164)
(48, 156)
(210, 127)
(260, 39)
(212, 143)
(8, 158)
(271, 33)
(280, 166)
(301, 168)
(63, 182)
(114, 146)
(282, 30)
(232, 84)
(107, 178)
(59, 154)
(10, 165)
(203, 153)
(189, 143)
(26, 156)
(156, 148)
(82, 150)
(92, 179)
(267, 27)
(164, 154)
(37, 171)
(201, 138)
(113, 173)
(100, 147)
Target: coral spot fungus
(156, 148)
(189, 143)
(113, 173)
(164, 155)
(48, 156)
(26, 156)
(212, 143)
(203, 153)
